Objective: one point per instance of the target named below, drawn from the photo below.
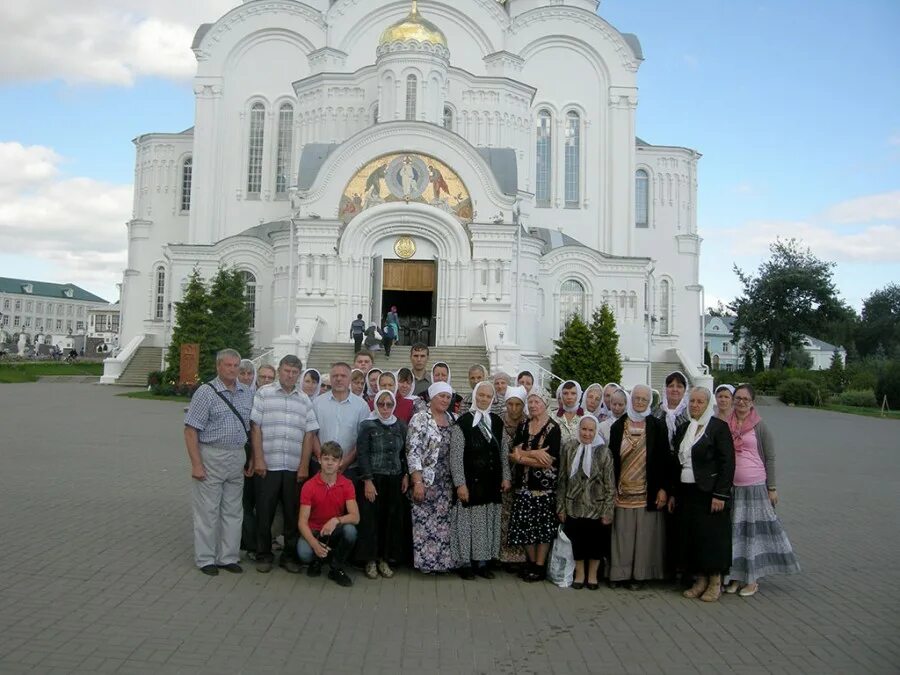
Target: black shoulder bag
(248, 448)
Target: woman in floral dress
(428, 458)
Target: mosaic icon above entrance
(406, 177)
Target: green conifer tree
(191, 325)
(606, 361)
(574, 352)
(229, 318)
(748, 362)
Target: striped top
(284, 418)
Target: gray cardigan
(766, 445)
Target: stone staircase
(323, 354)
(658, 372)
(144, 361)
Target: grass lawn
(150, 396)
(866, 412)
(30, 372)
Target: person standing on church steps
(215, 433)
(357, 332)
(418, 360)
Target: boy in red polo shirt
(328, 518)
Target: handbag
(248, 448)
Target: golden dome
(413, 27)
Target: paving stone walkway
(97, 572)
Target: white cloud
(76, 224)
(894, 140)
(882, 206)
(101, 41)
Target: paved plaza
(98, 575)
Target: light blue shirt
(339, 420)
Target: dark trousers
(341, 543)
(275, 487)
(248, 528)
(386, 343)
(380, 527)
(357, 342)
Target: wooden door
(409, 275)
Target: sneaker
(264, 566)
(289, 565)
(371, 570)
(234, 568)
(210, 570)
(315, 568)
(385, 570)
(340, 578)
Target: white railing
(542, 376)
(698, 376)
(264, 359)
(114, 366)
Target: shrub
(767, 381)
(155, 378)
(796, 391)
(864, 398)
(889, 385)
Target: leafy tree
(836, 374)
(792, 293)
(607, 360)
(191, 327)
(748, 362)
(573, 352)
(707, 357)
(880, 322)
(798, 357)
(759, 364)
(229, 317)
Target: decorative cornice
(251, 9)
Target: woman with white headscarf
(536, 449)
(673, 406)
(568, 412)
(724, 394)
(526, 380)
(705, 474)
(641, 460)
(501, 382)
(480, 469)
(477, 373)
(617, 402)
(585, 504)
(311, 382)
(440, 372)
(381, 454)
(428, 459)
(511, 556)
(592, 401)
(247, 374)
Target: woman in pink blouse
(760, 546)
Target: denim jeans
(340, 542)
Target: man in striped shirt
(281, 423)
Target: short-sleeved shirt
(326, 501)
(214, 421)
(339, 420)
(284, 418)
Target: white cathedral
(472, 162)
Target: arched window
(255, 149)
(159, 297)
(573, 159)
(411, 91)
(285, 147)
(641, 198)
(664, 300)
(187, 168)
(250, 295)
(542, 152)
(448, 118)
(571, 302)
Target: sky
(794, 105)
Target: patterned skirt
(759, 544)
(431, 530)
(508, 552)
(475, 532)
(533, 519)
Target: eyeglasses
(743, 399)
(384, 404)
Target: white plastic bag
(561, 567)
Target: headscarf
(691, 436)
(633, 415)
(540, 394)
(481, 418)
(318, 381)
(673, 413)
(245, 365)
(439, 388)
(374, 415)
(410, 396)
(601, 407)
(584, 454)
(445, 365)
(368, 389)
(529, 374)
(727, 387)
(517, 392)
(501, 375)
(559, 391)
(607, 412)
(392, 374)
(484, 371)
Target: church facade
(473, 163)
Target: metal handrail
(258, 361)
(541, 372)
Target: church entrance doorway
(411, 286)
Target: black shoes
(314, 569)
(340, 577)
(234, 568)
(291, 566)
(210, 570)
(466, 573)
(485, 572)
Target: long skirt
(589, 537)
(638, 545)
(760, 546)
(705, 537)
(474, 532)
(508, 552)
(431, 530)
(381, 531)
(533, 520)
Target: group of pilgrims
(678, 487)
